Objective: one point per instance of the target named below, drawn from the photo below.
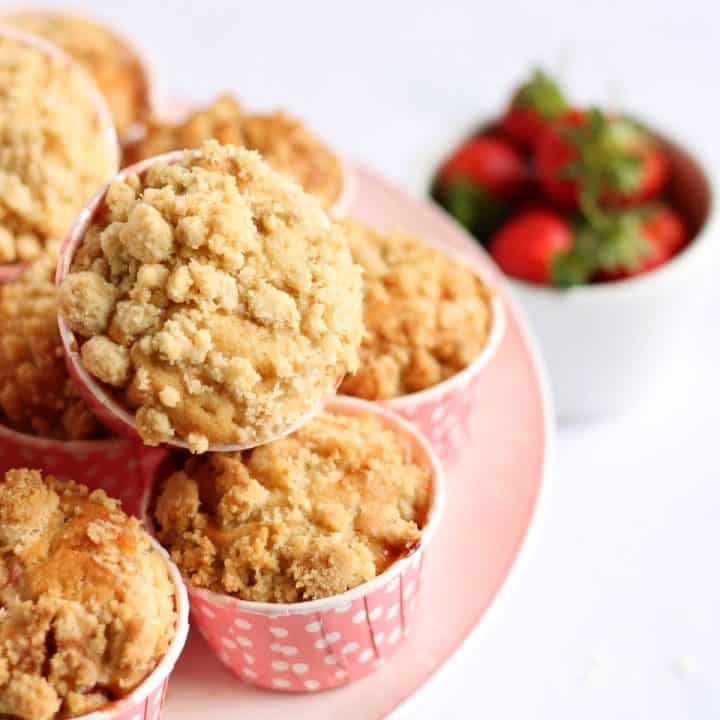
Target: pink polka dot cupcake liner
(327, 643)
(147, 700)
(443, 412)
(11, 271)
(120, 467)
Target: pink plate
(492, 498)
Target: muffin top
(305, 517)
(283, 141)
(113, 65)
(36, 394)
(427, 315)
(54, 151)
(87, 606)
(216, 298)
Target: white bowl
(607, 345)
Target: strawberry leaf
(471, 206)
(542, 94)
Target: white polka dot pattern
(443, 418)
(307, 651)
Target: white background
(615, 614)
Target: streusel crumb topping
(53, 148)
(87, 607)
(309, 516)
(427, 315)
(217, 297)
(113, 65)
(36, 394)
(284, 142)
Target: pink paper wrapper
(146, 701)
(442, 413)
(322, 644)
(121, 467)
(9, 272)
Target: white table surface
(615, 614)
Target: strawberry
(533, 105)
(614, 245)
(664, 235)
(527, 246)
(479, 181)
(587, 159)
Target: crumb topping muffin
(115, 67)
(312, 515)
(283, 141)
(54, 149)
(87, 607)
(427, 315)
(36, 394)
(216, 298)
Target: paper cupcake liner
(11, 271)
(120, 467)
(443, 412)
(146, 701)
(327, 643)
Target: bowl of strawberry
(603, 226)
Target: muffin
(214, 299)
(309, 516)
(56, 146)
(87, 605)
(113, 64)
(283, 141)
(427, 315)
(37, 396)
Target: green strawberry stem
(604, 240)
(542, 94)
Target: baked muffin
(427, 315)
(309, 516)
(54, 148)
(283, 141)
(37, 396)
(87, 607)
(215, 298)
(113, 64)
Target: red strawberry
(533, 105)
(479, 181)
(488, 163)
(526, 247)
(664, 234)
(588, 159)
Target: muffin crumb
(283, 141)
(55, 150)
(427, 315)
(37, 396)
(88, 607)
(217, 296)
(312, 515)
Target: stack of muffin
(210, 308)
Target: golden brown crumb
(233, 296)
(55, 151)
(114, 66)
(283, 141)
(36, 393)
(309, 516)
(86, 604)
(427, 316)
